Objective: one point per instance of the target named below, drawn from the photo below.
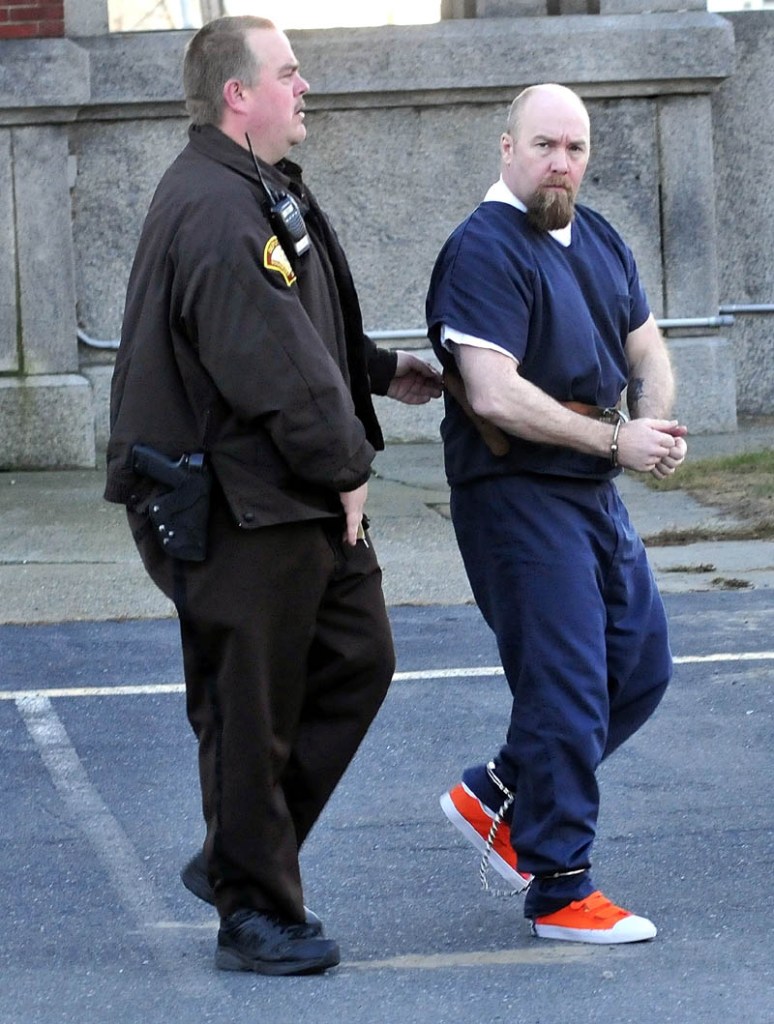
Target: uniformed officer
(243, 346)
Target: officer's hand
(415, 381)
(353, 503)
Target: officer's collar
(212, 142)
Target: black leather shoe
(194, 877)
(252, 940)
(196, 880)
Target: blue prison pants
(562, 579)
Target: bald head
(547, 96)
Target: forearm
(535, 416)
(500, 395)
(651, 387)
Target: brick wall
(31, 19)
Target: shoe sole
(600, 938)
(501, 866)
(231, 960)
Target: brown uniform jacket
(229, 348)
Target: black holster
(180, 516)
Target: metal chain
(484, 866)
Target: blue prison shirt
(563, 312)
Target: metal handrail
(724, 320)
(726, 317)
(750, 307)
(404, 335)
(112, 344)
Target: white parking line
(479, 671)
(92, 817)
(542, 954)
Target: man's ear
(233, 96)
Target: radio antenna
(269, 194)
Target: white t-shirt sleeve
(450, 337)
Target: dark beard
(548, 211)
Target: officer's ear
(233, 95)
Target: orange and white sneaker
(475, 821)
(593, 919)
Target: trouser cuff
(549, 893)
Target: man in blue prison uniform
(537, 313)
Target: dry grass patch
(742, 486)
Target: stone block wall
(743, 110)
(403, 126)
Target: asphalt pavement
(99, 793)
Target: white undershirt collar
(500, 193)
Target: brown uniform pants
(288, 655)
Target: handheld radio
(284, 215)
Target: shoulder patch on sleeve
(275, 258)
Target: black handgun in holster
(180, 516)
